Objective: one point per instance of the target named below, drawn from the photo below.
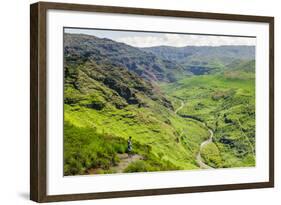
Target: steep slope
(106, 51)
(242, 65)
(200, 60)
(106, 102)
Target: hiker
(130, 148)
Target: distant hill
(242, 65)
(105, 51)
(161, 63)
(200, 60)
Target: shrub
(211, 155)
(84, 148)
(139, 166)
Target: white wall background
(14, 101)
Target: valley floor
(220, 103)
(204, 133)
(199, 159)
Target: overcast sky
(146, 39)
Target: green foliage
(227, 105)
(151, 163)
(113, 91)
(230, 159)
(84, 148)
(139, 166)
(151, 138)
(115, 101)
(211, 155)
(247, 66)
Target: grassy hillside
(105, 104)
(227, 105)
(161, 138)
(113, 91)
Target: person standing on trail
(130, 147)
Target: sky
(148, 39)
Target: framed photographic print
(134, 102)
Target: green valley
(168, 104)
(227, 106)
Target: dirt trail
(125, 160)
(179, 108)
(199, 159)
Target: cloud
(180, 40)
(146, 39)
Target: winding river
(199, 159)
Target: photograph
(147, 101)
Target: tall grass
(84, 149)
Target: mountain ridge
(103, 50)
(158, 63)
(199, 60)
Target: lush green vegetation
(113, 91)
(211, 155)
(106, 105)
(167, 141)
(227, 105)
(85, 149)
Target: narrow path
(179, 108)
(199, 159)
(125, 160)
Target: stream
(199, 159)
